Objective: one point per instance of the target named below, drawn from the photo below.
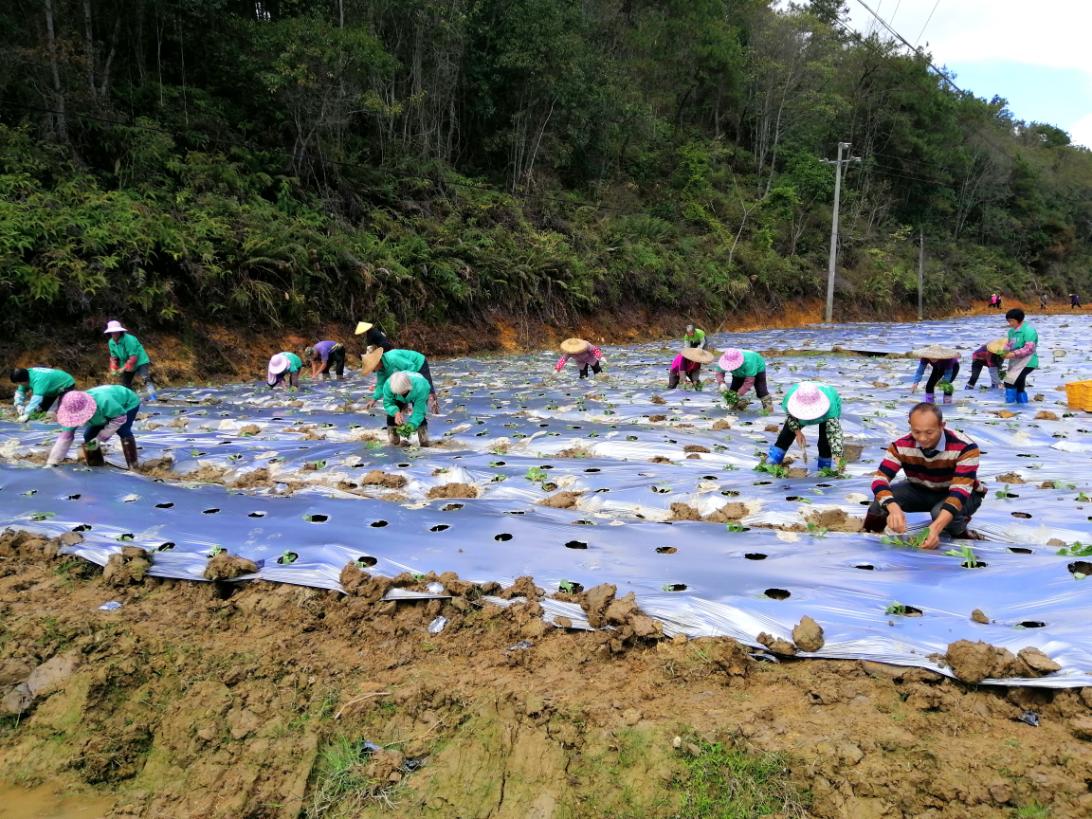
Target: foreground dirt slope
(209, 700)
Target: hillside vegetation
(288, 162)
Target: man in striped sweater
(941, 467)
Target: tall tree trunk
(89, 47)
(59, 118)
(104, 86)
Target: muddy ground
(261, 700)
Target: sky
(1036, 55)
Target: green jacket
(417, 395)
(394, 361)
(127, 347)
(46, 382)
(697, 337)
(111, 401)
(835, 410)
(752, 365)
(1022, 335)
(295, 363)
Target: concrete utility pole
(921, 272)
(834, 224)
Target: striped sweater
(953, 467)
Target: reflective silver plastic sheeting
(518, 434)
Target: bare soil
(232, 700)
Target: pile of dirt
(729, 512)
(575, 452)
(561, 500)
(1010, 477)
(683, 511)
(622, 615)
(1046, 415)
(973, 662)
(226, 566)
(453, 490)
(695, 448)
(656, 399)
(28, 546)
(657, 418)
(385, 479)
(835, 520)
(808, 635)
(252, 480)
(721, 424)
(127, 567)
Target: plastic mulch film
(663, 504)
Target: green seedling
(1083, 497)
(536, 474)
(288, 557)
(969, 558)
(777, 470)
(1076, 549)
(735, 527)
(499, 478)
(816, 530)
(566, 586)
(896, 609)
(216, 549)
(909, 541)
(1003, 493)
(315, 465)
(405, 430)
(126, 537)
(946, 387)
(42, 515)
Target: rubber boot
(1021, 397)
(826, 463)
(1010, 395)
(874, 523)
(92, 453)
(393, 438)
(929, 398)
(422, 436)
(775, 455)
(128, 447)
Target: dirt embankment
(262, 700)
(212, 353)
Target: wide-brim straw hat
(808, 402)
(113, 326)
(363, 326)
(732, 359)
(935, 351)
(574, 346)
(369, 362)
(76, 407)
(698, 355)
(997, 346)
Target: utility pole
(834, 223)
(921, 271)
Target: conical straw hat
(370, 360)
(936, 351)
(698, 354)
(574, 346)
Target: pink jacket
(589, 356)
(684, 365)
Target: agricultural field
(582, 600)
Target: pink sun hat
(76, 408)
(277, 365)
(114, 326)
(732, 359)
(808, 402)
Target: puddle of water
(50, 802)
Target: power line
(927, 19)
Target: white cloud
(1080, 132)
(1051, 33)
